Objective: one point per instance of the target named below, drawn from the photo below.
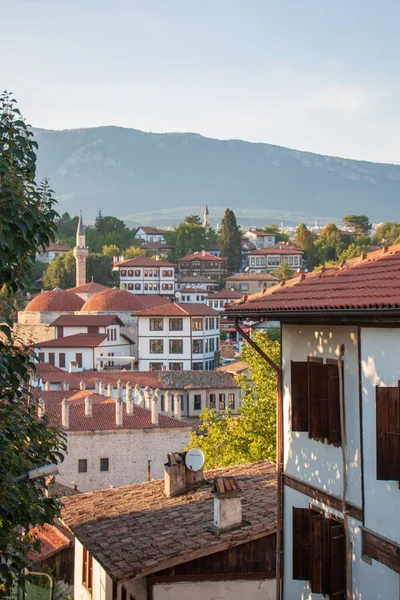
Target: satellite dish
(178, 295)
(194, 459)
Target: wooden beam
(153, 579)
(329, 499)
(256, 347)
(381, 549)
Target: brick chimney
(178, 479)
(65, 385)
(227, 504)
(147, 397)
(88, 407)
(119, 412)
(65, 413)
(82, 385)
(97, 386)
(110, 389)
(101, 388)
(177, 406)
(47, 386)
(154, 407)
(167, 404)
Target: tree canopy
(284, 271)
(61, 272)
(230, 241)
(358, 224)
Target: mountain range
(158, 178)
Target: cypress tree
(230, 243)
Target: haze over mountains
(151, 178)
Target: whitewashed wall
(217, 590)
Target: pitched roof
(370, 282)
(143, 261)
(55, 301)
(262, 233)
(189, 380)
(192, 290)
(156, 246)
(53, 539)
(135, 530)
(86, 320)
(152, 230)
(252, 277)
(196, 279)
(43, 368)
(276, 250)
(143, 378)
(222, 294)
(115, 300)
(79, 340)
(52, 247)
(235, 367)
(203, 255)
(180, 309)
(91, 288)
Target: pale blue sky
(318, 75)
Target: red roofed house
(338, 427)
(178, 336)
(147, 276)
(50, 252)
(87, 290)
(150, 234)
(261, 239)
(191, 294)
(204, 264)
(218, 300)
(267, 260)
(250, 283)
(56, 550)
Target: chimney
(174, 475)
(41, 408)
(110, 388)
(227, 504)
(203, 252)
(167, 404)
(138, 395)
(177, 406)
(97, 386)
(47, 386)
(101, 388)
(65, 414)
(119, 388)
(154, 408)
(147, 397)
(118, 412)
(82, 385)
(65, 385)
(88, 407)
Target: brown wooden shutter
(320, 552)
(114, 590)
(84, 565)
(61, 360)
(78, 358)
(387, 434)
(301, 542)
(334, 403)
(318, 405)
(299, 392)
(90, 571)
(338, 562)
(41, 356)
(52, 358)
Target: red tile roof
(52, 247)
(90, 288)
(47, 368)
(193, 290)
(79, 340)
(202, 256)
(156, 246)
(53, 539)
(86, 320)
(152, 230)
(276, 250)
(143, 261)
(56, 301)
(143, 378)
(369, 282)
(252, 277)
(222, 294)
(180, 309)
(114, 300)
(135, 530)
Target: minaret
(206, 224)
(80, 253)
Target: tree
(284, 271)
(304, 237)
(111, 250)
(26, 442)
(66, 229)
(357, 224)
(189, 236)
(332, 242)
(230, 241)
(355, 249)
(280, 236)
(387, 233)
(37, 272)
(99, 269)
(249, 436)
(134, 251)
(61, 272)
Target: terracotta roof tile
(252, 277)
(135, 529)
(143, 378)
(202, 256)
(276, 250)
(91, 288)
(56, 301)
(115, 300)
(143, 261)
(152, 230)
(156, 246)
(180, 309)
(52, 247)
(53, 539)
(79, 340)
(47, 368)
(86, 320)
(222, 294)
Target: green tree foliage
(304, 237)
(284, 271)
(26, 442)
(355, 249)
(331, 242)
(38, 270)
(228, 439)
(230, 241)
(189, 236)
(61, 272)
(66, 229)
(111, 250)
(99, 269)
(387, 233)
(10, 302)
(280, 236)
(134, 251)
(357, 224)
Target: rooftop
(152, 230)
(115, 300)
(156, 246)
(79, 340)
(52, 247)
(55, 301)
(370, 282)
(188, 380)
(195, 279)
(252, 277)
(53, 539)
(178, 309)
(143, 261)
(276, 250)
(135, 530)
(235, 368)
(202, 255)
(229, 294)
(86, 320)
(90, 288)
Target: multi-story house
(150, 234)
(338, 428)
(178, 336)
(142, 275)
(261, 239)
(191, 294)
(197, 282)
(48, 253)
(203, 263)
(268, 259)
(250, 283)
(218, 300)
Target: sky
(316, 75)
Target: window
(212, 400)
(222, 402)
(231, 401)
(211, 345)
(387, 433)
(150, 272)
(61, 360)
(166, 286)
(52, 358)
(212, 323)
(162, 403)
(243, 287)
(315, 399)
(167, 273)
(319, 552)
(130, 286)
(82, 465)
(87, 569)
(137, 286)
(41, 356)
(197, 402)
(156, 324)
(175, 324)
(123, 273)
(221, 303)
(156, 346)
(197, 324)
(197, 366)
(130, 273)
(206, 346)
(206, 323)
(104, 464)
(154, 366)
(215, 303)
(197, 346)
(176, 366)
(78, 358)
(175, 346)
(146, 272)
(111, 362)
(145, 286)
(137, 272)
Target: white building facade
(261, 239)
(150, 235)
(146, 276)
(268, 259)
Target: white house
(142, 275)
(48, 253)
(338, 428)
(267, 260)
(188, 536)
(150, 235)
(191, 294)
(178, 336)
(196, 281)
(218, 300)
(261, 239)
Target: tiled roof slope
(47, 368)
(152, 230)
(56, 301)
(252, 277)
(115, 300)
(135, 529)
(53, 539)
(143, 378)
(177, 309)
(276, 250)
(86, 320)
(371, 281)
(156, 246)
(196, 380)
(91, 288)
(143, 261)
(79, 340)
(202, 256)
(222, 294)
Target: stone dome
(113, 300)
(55, 301)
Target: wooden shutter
(301, 542)
(338, 562)
(114, 590)
(334, 403)
(84, 565)
(52, 358)
(61, 360)
(90, 571)
(387, 434)
(41, 356)
(320, 552)
(299, 391)
(78, 358)
(318, 405)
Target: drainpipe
(279, 456)
(349, 561)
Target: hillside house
(338, 427)
(260, 239)
(267, 260)
(250, 283)
(48, 253)
(203, 264)
(150, 235)
(203, 282)
(192, 294)
(142, 275)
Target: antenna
(194, 459)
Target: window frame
(82, 465)
(153, 321)
(157, 342)
(104, 462)
(172, 343)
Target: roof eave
(339, 315)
